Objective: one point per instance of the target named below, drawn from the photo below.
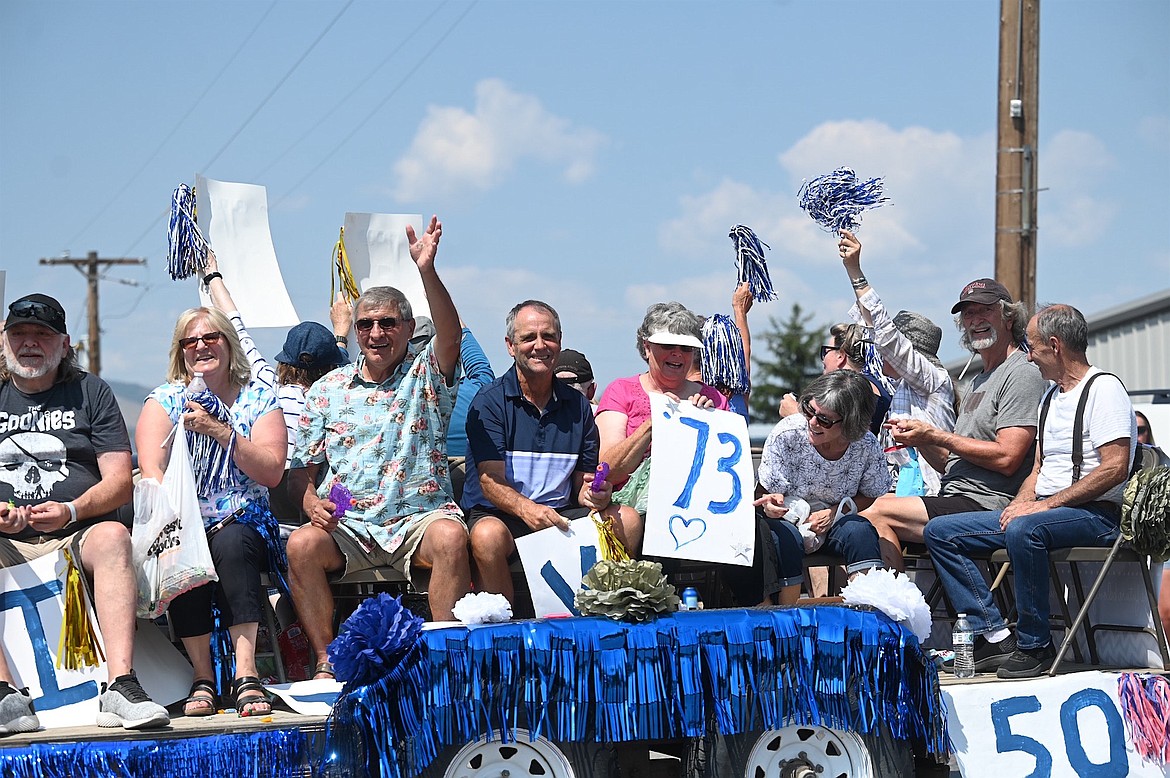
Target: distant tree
(790, 358)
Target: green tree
(791, 357)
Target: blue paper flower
(373, 639)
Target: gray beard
(50, 364)
(984, 343)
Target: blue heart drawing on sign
(686, 530)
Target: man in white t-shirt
(1072, 498)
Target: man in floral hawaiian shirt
(377, 428)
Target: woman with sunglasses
(822, 455)
(248, 429)
(668, 341)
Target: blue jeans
(951, 539)
(851, 537)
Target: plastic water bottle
(197, 385)
(690, 599)
(963, 641)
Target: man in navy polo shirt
(532, 450)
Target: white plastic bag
(168, 541)
(798, 514)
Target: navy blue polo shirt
(540, 451)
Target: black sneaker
(988, 656)
(1028, 663)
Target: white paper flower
(895, 595)
(482, 608)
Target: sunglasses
(386, 323)
(39, 311)
(210, 339)
(1142, 430)
(824, 421)
(826, 350)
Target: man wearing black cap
(986, 458)
(64, 473)
(574, 369)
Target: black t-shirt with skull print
(50, 442)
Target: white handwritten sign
(31, 615)
(554, 563)
(1068, 725)
(701, 485)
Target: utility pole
(91, 264)
(1015, 168)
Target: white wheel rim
(800, 752)
(522, 757)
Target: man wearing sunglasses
(377, 428)
(64, 476)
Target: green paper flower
(631, 590)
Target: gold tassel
(344, 273)
(79, 646)
(607, 541)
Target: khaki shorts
(17, 552)
(364, 554)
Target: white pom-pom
(895, 595)
(482, 608)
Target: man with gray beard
(65, 472)
(991, 451)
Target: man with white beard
(991, 451)
(65, 472)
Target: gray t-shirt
(1008, 396)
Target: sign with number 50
(701, 485)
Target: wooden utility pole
(1015, 167)
(91, 264)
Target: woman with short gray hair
(823, 455)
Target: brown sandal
(203, 696)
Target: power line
(329, 114)
(194, 104)
(378, 107)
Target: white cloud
(454, 150)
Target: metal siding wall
(1137, 351)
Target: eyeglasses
(822, 419)
(826, 350)
(210, 339)
(386, 323)
(40, 311)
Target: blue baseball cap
(311, 346)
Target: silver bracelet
(859, 283)
(72, 514)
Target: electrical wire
(109, 201)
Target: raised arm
(443, 314)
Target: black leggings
(240, 555)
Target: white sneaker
(126, 704)
(16, 711)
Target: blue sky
(591, 154)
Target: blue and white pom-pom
(723, 361)
(187, 248)
(212, 463)
(751, 266)
(835, 201)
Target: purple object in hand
(600, 475)
(342, 498)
